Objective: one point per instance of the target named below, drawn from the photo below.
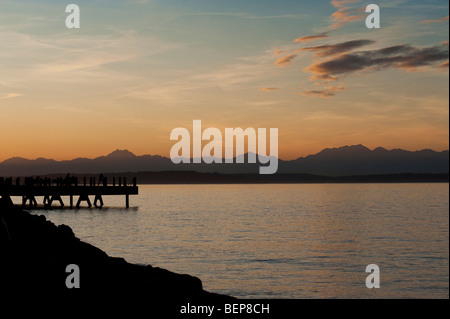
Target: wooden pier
(53, 190)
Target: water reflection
(282, 241)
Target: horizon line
(223, 158)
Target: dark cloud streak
(333, 49)
(399, 56)
(325, 93)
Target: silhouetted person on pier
(67, 181)
(100, 179)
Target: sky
(137, 69)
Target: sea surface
(281, 240)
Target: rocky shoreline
(35, 253)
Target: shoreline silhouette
(35, 253)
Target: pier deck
(54, 191)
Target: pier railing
(53, 189)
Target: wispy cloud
(284, 61)
(400, 56)
(55, 58)
(339, 48)
(267, 102)
(72, 109)
(11, 95)
(342, 3)
(311, 38)
(318, 93)
(325, 93)
(244, 15)
(268, 89)
(345, 14)
(227, 77)
(436, 20)
(444, 65)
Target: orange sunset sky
(137, 69)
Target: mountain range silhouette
(342, 161)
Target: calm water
(282, 241)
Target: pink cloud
(285, 60)
(435, 20)
(310, 38)
(268, 89)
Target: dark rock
(35, 253)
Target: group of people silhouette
(66, 181)
(46, 181)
